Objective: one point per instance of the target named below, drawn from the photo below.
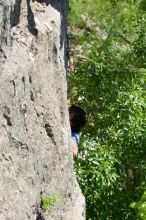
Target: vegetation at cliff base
(108, 78)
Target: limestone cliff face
(35, 152)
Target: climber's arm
(75, 143)
(74, 148)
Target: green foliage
(115, 103)
(110, 83)
(96, 170)
(48, 202)
(140, 207)
(94, 21)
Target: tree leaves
(110, 83)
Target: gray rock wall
(35, 151)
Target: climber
(78, 119)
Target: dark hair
(78, 118)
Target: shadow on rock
(15, 17)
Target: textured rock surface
(35, 154)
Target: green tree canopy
(109, 81)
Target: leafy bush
(96, 170)
(140, 207)
(115, 103)
(110, 83)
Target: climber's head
(78, 118)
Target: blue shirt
(76, 138)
